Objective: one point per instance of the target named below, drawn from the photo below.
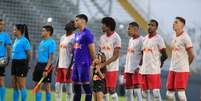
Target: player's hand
(7, 61)
(101, 65)
(45, 74)
(68, 74)
(137, 70)
(161, 65)
(95, 62)
(55, 71)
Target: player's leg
(157, 95)
(58, 91)
(99, 96)
(22, 71)
(2, 87)
(69, 91)
(58, 85)
(85, 79)
(129, 86)
(76, 85)
(146, 91)
(155, 84)
(14, 82)
(94, 96)
(137, 82)
(181, 79)
(15, 88)
(106, 95)
(105, 91)
(38, 94)
(69, 86)
(47, 82)
(171, 95)
(111, 81)
(22, 84)
(170, 86)
(48, 91)
(182, 95)
(37, 75)
(138, 93)
(88, 91)
(77, 91)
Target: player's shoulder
(4, 33)
(146, 37)
(116, 36)
(103, 36)
(186, 35)
(87, 31)
(52, 41)
(63, 37)
(24, 39)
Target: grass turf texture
(31, 97)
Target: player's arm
(189, 48)
(50, 59)
(191, 55)
(100, 74)
(92, 51)
(29, 55)
(141, 59)
(114, 57)
(70, 66)
(57, 61)
(163, 56)
(8, 53)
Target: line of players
(145, 57)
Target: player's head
(81, 20)
(152, 26)
(70, 27)
(133, 29)
(21, 29)
(108, 24)
(47, 31)
(2, 24)
(179, 23)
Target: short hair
(70, 26)
(109, 22)
(156, 22)
(49, 28)
(134, 24)
(181, 19)
(82, 16)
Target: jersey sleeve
(117, 42)
(27, 45)
(161, 43)
(52, 48)
(8, 40)
(187, 42)
(89, 38)
(141, 43)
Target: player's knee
(145, 93)
(182, 95)
(77, 88)
(47, 87)
(57, 87)
(170, 94)
(156, 93)
(129, 92)
(87, 89)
